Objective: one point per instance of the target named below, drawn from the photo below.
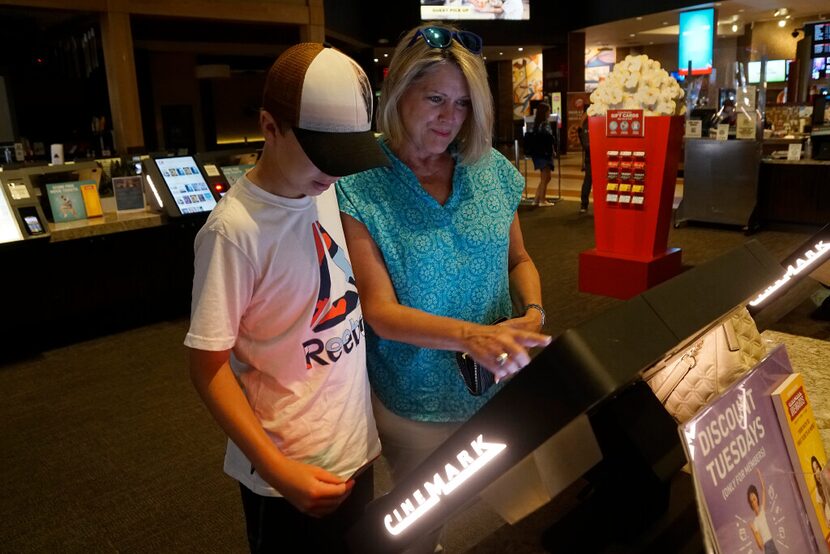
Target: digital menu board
(186, 184)
(821, 40)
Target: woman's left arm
(525, 286)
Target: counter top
(794, 162)
(111, 222)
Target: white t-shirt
(762, 527)
(273, 281)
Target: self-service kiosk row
(178, 186)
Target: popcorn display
(638, 83)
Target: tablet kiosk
(223, 168)
(21, 216)
(182, 186)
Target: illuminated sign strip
(418, 504)
(812, 256)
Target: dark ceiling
(372, 22)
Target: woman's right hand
(311, 489)
(487, 344)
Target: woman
(759, 525)
(436, 247)
(542, 153)
(821, 492)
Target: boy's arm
(310, 489)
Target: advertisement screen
(475, 9)
(186, 184)
(696, 41)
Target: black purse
(477, 379)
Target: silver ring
(501, 359)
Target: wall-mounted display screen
(777, 71)
(186, 184)
(475, 9)
(819, 70)
(696, 41)
(9, 230)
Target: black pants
(586, 183)
(274, 525)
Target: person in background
(542, 152)
(277, 347)
(437, 248)
(587, 181)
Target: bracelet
(536, 307)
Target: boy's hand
(312, 489)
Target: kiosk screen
(232, 173)
(186, 184)
(9, 230)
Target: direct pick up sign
(624, 123)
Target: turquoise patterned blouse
(448, 260)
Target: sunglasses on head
(441, 37)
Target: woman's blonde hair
(410, 63)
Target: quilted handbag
(692, 377)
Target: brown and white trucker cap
(327, 99)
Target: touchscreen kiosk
(592, 370)
(181, 184)
(223, 168)
(9, 230)
(21, 216)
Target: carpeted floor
(106, 447)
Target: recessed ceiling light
(782, 22)
(376, 60)
(639, 18)
(633, 35)
(501, 53)
(734, 28)
(386, 55)
(521, 49)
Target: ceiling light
(501, 53)
(639, 18)
(521, 49)
(782, 22)
(665, 23)
(780, 12)
(386, 55)
(734, 28)
(741, 10)
(376, 60)
(633, 35)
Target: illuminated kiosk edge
(590, 369)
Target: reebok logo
(329, 352)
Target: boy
(276, 334)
